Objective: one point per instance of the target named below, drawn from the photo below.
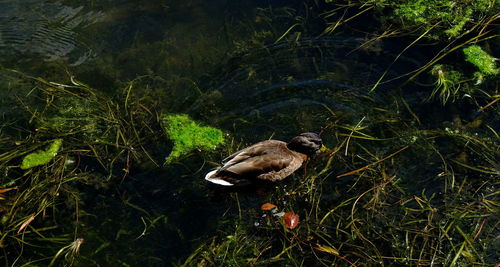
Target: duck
(270, 160)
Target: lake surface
(256, 70)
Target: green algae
(438, 19)
(187, 136)
(482, 60)
(41, 157)
(431, 13)
(450, 17)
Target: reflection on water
(48, 30)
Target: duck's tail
(211, 177)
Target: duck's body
(269, 160)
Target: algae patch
(187, 135)
(41, 157)
(482, 60)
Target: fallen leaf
(267, 206)
(291, 220)
(25, 223)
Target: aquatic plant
(71, 113)
(450, 15)
(57, 112)
(70, 251)
(447, 82)
(482, 60)
(41, 157)
(374, 205)
(187, 135)
(441, 19)
(448, 25)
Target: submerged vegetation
(438, 19)
(41, 157)
(447, 83)
(443, 26)
(408, 104)
(482, 60)
(389, 210)
(187, 135)
(451, 18)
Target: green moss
(482, 60)
(41, 157)
(445, 16)
(187, 135)
(414, 11)
(459, 23)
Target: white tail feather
(209, 178)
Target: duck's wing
(286, 168)
(269, 156)
(242, 163)
(230, 157)
(253, 150)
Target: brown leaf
(25, 223)
(267, 206)
(291, 220)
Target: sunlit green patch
(187, 136)
(41, 157)
(453, 15)
(482, 60)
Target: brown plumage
(270, 160)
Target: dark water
(223, 63)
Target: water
(222, 62)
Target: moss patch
(453, 15)
(187, 135)
(41, 157)
(482, 60)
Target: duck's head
(306, 143)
